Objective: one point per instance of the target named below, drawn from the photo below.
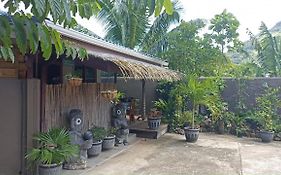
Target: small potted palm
(109, 140)
(99, 134)
(267, 106)
(54, 148)
(196, 92)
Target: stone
(77, 138)
(120, 123)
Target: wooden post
(143, 99)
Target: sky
(249, 13)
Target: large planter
(108, 142)
(154, 123)
(266, 136)
(96, 148)
(191, 135)
(53, 169)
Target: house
(35, 95)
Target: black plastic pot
(191, 135)
(108, 142)
(96, 148)
(154, 123)
(53, 169)
(266, 136)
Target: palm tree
(268, 49)
(128, 23)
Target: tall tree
(190, 53)
(128, 23)
(224, 28)
(29, 35)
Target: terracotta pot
(110, 94)
(75, 81)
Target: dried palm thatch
(139, 70)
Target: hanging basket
(109, 94)
(75, 81)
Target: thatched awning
(137, 69)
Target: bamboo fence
(60, 99)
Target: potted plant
(154, 119)
(53, 149)
(197, 92)
(109, 140)
(266, 111)
(99, 134)
(74, 79)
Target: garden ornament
(83, 140)
(119, 122)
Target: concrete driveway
(211, 155)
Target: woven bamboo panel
(60, 99)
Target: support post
(143, 99)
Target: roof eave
(97, 42)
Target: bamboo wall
(60, 99)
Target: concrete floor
(211, 155)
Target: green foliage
(190, 53)
(75, 74)
(267, 105)
(224, 28)
(268, 51)
(127, 22)
(54, 147)
(29, 36)
(99, 133)
(198, 92)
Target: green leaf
(68, 50)
(168, 6)
(19, 30)
(33, 38)
(11, 54)
(158, 7)
(55, 6)
(5, 31)
(73, 53)
(82, 54)
(39, 7)
(67, 11)
(5, 53)
(88, 10)
(81, 10)
(45, 41)
(56, 37)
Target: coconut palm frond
(155, 37)
(268, 49)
